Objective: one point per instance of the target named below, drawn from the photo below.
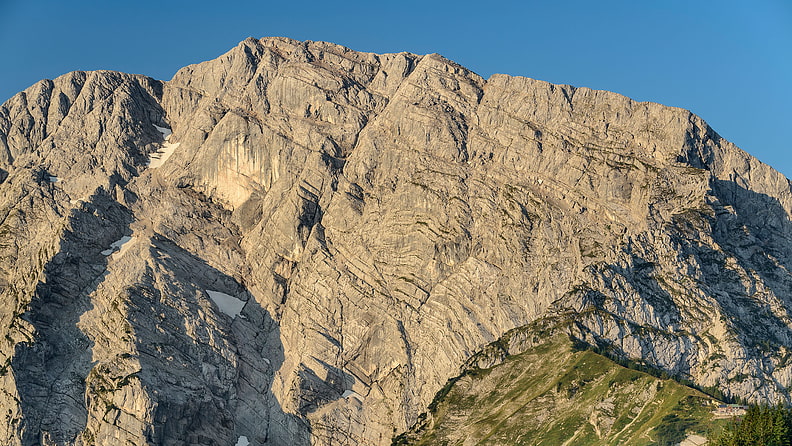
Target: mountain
(535, 386)
(297, 243)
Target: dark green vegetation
(555, 393)
(762, 425)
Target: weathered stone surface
(383, 217)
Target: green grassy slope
(553, 394)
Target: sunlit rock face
(378, 219)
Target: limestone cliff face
(381, 218)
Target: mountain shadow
(208, 373)
(50, 370)
(755, 229)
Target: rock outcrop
(382, 217)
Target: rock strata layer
(381, 218)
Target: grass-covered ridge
(555, 394)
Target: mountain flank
(538, 387)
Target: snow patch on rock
(228, 304)
(158, 158)
(119, 247)
(166, 132)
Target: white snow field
(158, 158)
(229, 305)
(118, 247)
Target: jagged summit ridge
(382, 217)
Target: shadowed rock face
(383, 217)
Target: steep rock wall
(382, 217)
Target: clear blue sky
(729, 62)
